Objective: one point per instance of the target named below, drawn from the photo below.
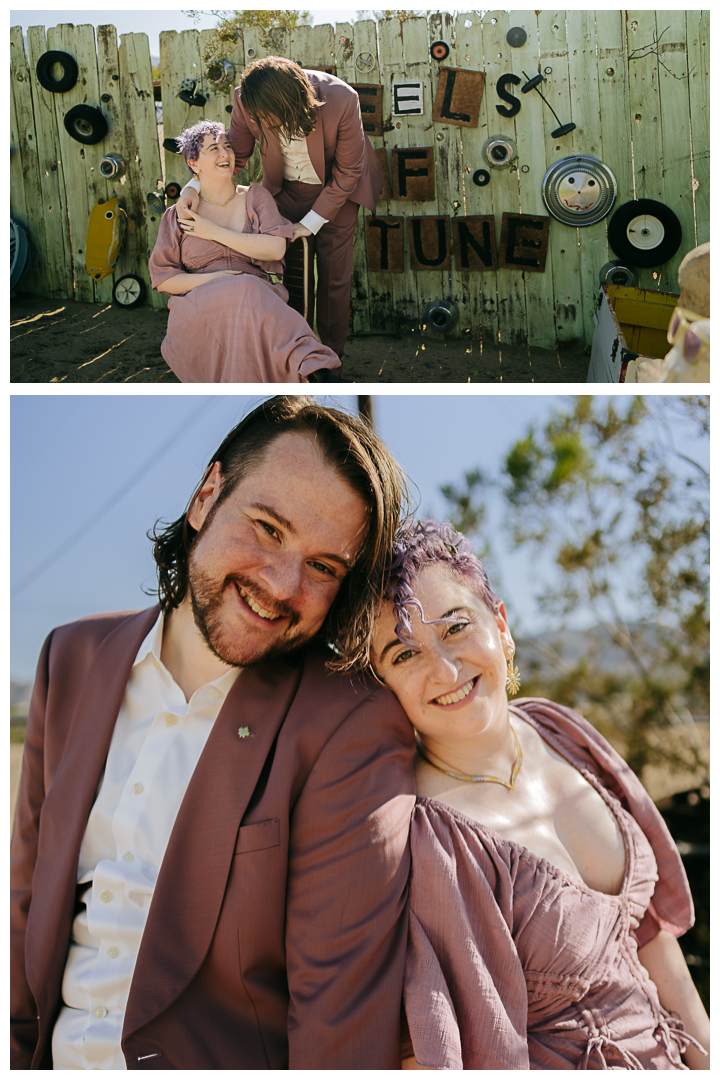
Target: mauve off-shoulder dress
(514, 964)
(239, 328)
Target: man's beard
(207, 597)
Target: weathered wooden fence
(55, 180)
(634, 108)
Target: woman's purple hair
(190, 140)
(420, 544)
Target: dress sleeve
(671, 907)
(264, 217)
(166, 261)
(464, 993)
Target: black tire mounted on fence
(86, 124)
(44, 71)
(129, 291)
(655, 236)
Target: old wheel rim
(127, 291)
(645, 232)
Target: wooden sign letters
(385, 244)
(413, 172)
(523, 243)
(371, 99)
(474, 242)
(429, 243)
(458, 97)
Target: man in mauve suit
(209, 858)
(319, 165)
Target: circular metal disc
(516, 37)
(128, 291)
(365, 61)
(645, 232)
(579, 190)
(439, 50)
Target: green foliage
(270, 20)
(468, 510)
(390, 13)
(624, 517)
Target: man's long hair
(348, 444)
(279, 88)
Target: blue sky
(129, 20)
(108, 459)
(71, 453)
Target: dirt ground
(64, 341)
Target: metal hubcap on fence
(579, 190)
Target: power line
(112, 500)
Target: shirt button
(101, 1013)
(128, 856)
(112, 952)
(137, 788)
(106, 897)
(170, 720)
(157, 664)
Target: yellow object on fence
(105, 235)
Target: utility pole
(365, 407)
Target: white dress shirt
(156, 744)
(296, 166)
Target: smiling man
(210, 857)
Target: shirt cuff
(194, 184)
(314, 222)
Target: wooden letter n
(475, 242)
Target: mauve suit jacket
(276, 934)
(339, 149)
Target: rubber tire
(93, 117)
(70, 76)
(644, 257)
(481, 177)
(172, 190)
(138, 300)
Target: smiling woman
(532, 841)
(238, 326)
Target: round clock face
(579, 190)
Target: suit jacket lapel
(191, 884)
(68, 803)
(316, 138)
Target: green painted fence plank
(698, 41)
(563, 249)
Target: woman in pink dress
(546, 894)
(229, 321)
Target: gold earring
(512, 682)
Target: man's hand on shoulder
(189, 200)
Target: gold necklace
(482, 779)
(212, 201)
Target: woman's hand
(300, 230)
(198, 226)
